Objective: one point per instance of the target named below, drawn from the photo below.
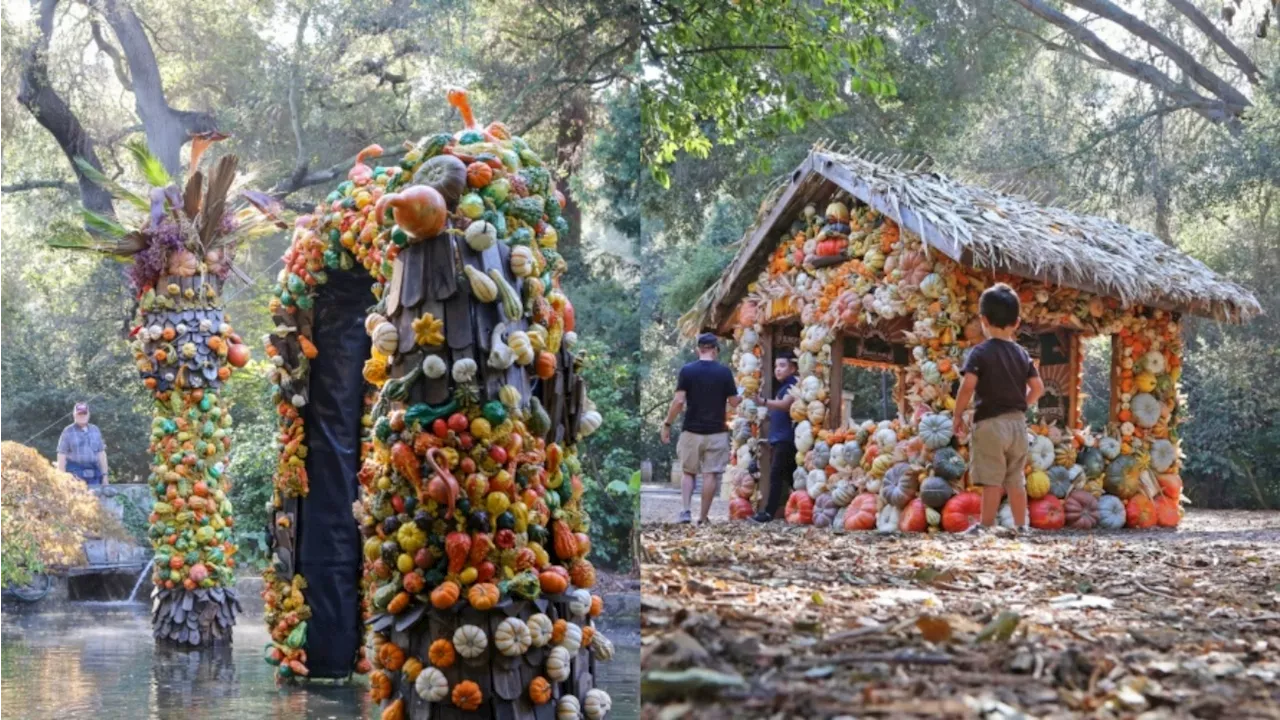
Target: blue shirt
(81, 446)
(781, 429)
(707, 386)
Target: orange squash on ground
(1139, 512)
(800, 508)
(1046, 513)
(861, 513)
(962, 512)
(1167, 514)
(740, 508)
(1171, 485)
(913, 518)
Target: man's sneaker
(762, 518)
(1025, 530)
(685, 517)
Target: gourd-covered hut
(862, 265)
(442, 405)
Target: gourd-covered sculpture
(184, 348)
(470, 489)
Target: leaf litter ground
(777, 621)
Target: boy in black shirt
(703, 389)
(1005, 382)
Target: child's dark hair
(1000, 306)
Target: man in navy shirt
(703, 390)
(782, 434)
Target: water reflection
(100, 662)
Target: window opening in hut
(1096, 389)
(869, 392)
(1051, 352)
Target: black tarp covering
(329, 542)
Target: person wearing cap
(703, 390)
(782, 434)
(81, 450)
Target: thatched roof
(985, 229)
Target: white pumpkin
(815, 483)
(933, 286)
(804, 436)
(601, 647)
(481, 235)
(433, 366)
(386, 338)
(589, 423)
(748, 363)
(372, 321)
(470, 641)
(540, 628)
(518, 341)
(512, 637)
(464, 370)
(805, 363)
(431, 685)
(596, 704)
(580, 602)
(817, 412)
(1040, 452)
(572, 638)
(1109, 447)
(749, 339)
(886, 438)
(1146, 409)
(570, 339)
(568, 708)
(558, 664)
(809, 388)
(1153, 362)
(887, 519)
(1163, 455)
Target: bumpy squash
(1081, 510)
(1037, 484)
(1140, 512)
(913, 517)
(899, 485)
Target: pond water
(99, 661)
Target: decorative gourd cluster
(471, 488)
(181, 252)
(847, 270)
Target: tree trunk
(571, 130)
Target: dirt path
(779, 621)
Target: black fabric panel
(328, 540)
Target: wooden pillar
(1116, 357)
(1075, 360)
(764, 454)
(835, 387)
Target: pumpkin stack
(476, 577)
(853, 269)
(185, 350)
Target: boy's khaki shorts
(703, 454)
(998, 451)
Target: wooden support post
(1116, 356)
(1075, 360)
(764, 454)
(835, 387)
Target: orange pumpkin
(394, 711)
(597, 605)
(800, 508)
(545, 365)
(913, 518)
(483, 596)
(1139, 512)
(441, 653)
(398, 603)
(467, 696)
(1046, 513)
(583, 574)
(588, 632)
(553, 582)
(413, 583)
(411, 668)
(961, 512)
(379, 686)
(390, 656)
(1167, 514)
(558, 629)
(1171, 485)
(740, 509)
(445, 595)
(479, 174)
(861, 514)
(539, 690)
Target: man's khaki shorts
(703, 454)
(998, 451)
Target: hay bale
(55, 509)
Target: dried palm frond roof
(983, 228)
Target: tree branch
(117, 62)
(1175, 52)
(27, 185)
(51, 111)
(295, 120)
(289, 185)
(1241, 59)
(1211, 109)
(167, 129)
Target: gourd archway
(469, 534)
(861, 263)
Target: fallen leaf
(1001, 628)
(934, 629)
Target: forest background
(666, 143)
